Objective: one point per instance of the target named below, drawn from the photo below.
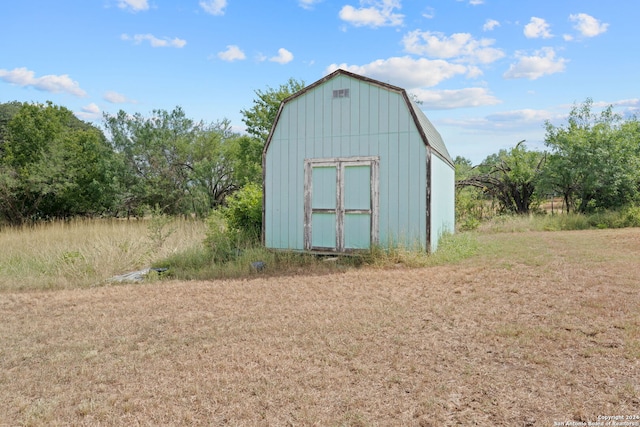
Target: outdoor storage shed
(353, 162)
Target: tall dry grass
(83, 253)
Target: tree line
(592, 162)
(55, 166)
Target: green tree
(213, 164)
(244, 210)
(470, 200)
(53, 166)
(261, 116)
(595, 160)
(259, 120)
(7, 112)
(511, 177)
(173, 163)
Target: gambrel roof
(430, 136)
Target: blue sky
(488, 72)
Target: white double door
(341, 204)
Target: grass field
(85, 253)
(537, 328)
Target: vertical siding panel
(404, 118)
(405, 187)
(394, 112)
(320, 118)
(268, 197)
(284, 177)
(326, 120)
(292, 166)
(394, 187)
(365, 96)
(374, 111)
(364, 119)
(274, 197)
(421, 175)
(345, 110)
(309, 125)
(354, 120)
(336, 113)
(383, 211)
(443, 203)
(414, 190)
(401, 147)
(383, 116)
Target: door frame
(340, 163)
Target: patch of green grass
(621, 218)
(225, 255)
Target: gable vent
(341, 93)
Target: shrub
(244, 210)
(221, 240)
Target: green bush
(620, 218)
(221, 240)
(244, 210)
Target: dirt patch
(546, 331)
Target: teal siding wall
(372, 121)
(443, 215)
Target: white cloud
(49, 83)
(537, 28)
(117, 98)
(233, 53)
(133, 5)
(473, 71)
(154, 41)
(631, 102)
(490, 24)
(587, 25)
(283, 57)
(429, 13)
(459, 98)
(372, 13)
(459, 45)
(89, 112)
(520, 116)
(522, 121)
(406, 72)
(213, 7)
(543, 62)
(91, 108)
(308, 4)
(476, 2)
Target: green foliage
(595, 159)
(471, 204)
(237, 226)
(7, 112)
(247, 160)
(222, 241)
(261, 116)
(452, 248)
(170, 161)
(628, 216)
(159, 227)
(471, 208)
(53, 166)
(510, 177)
(244, 210)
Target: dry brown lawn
(539, 328)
